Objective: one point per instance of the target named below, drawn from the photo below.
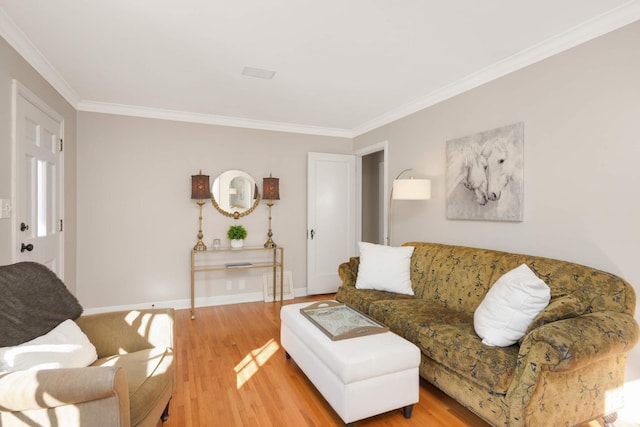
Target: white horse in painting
(467, 166)
(500, 167)
(504, 176)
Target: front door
(38, 181)
(331, 219)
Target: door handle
(313, 233)
(23, 227)
(28, 247)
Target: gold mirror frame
(237, 214)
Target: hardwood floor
(231, 371)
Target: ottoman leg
(407, 411)
(287, 355)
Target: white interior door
(38, 181)
(331, 219)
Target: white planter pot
(237, 243)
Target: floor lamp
(200, 191)
(407, 189)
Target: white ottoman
(359, 377)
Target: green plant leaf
(237, 232)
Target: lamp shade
(411, 189)
(200, 187)
(271, 188)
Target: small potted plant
(237, 234)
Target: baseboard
(184, 304)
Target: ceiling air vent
(258, 72)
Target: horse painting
(485, 175)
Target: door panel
(38, 182)
(331, 220)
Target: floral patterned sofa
(567, 369)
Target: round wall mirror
(235, 193)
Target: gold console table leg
(275, 266)
(282, 275)
(193, 309)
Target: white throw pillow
(65, 346)
(385, 268)
(510, 306)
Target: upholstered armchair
(129, 384)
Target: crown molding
(596, 27)
(25, 48)
(19, 41)
(210, 119)
(623, 15)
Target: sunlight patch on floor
(253, 361)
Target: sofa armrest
(348, 271)
(32, 390)
(122, 332)
(579, 341)
(562, 361)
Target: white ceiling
(343, 67)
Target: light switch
(5, 208)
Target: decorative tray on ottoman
(340, 321)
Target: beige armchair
(130, 384)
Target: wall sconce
(200, 191)
(270, 192)
(407, 189)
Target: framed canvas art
(485, 175)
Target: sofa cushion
(149, 374)
(361, 299)
(452, 342)
(447, 337)
(510, 306)
(33, 302)
(407, 317)
(65, 346)
(452, 276)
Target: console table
(273, 258)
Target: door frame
(373, 148)
(18, 89)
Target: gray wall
(138, 224)
(581, 114)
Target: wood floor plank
(231, 371)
